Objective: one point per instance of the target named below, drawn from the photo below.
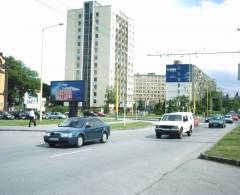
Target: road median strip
(226, 150)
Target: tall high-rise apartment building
(99, 49)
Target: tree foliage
(20, 80)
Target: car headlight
(47, 134)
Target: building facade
(150, 88)
(187, 80)
(99, 50)
(3, 83)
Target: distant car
(208, 118)
(76, 131)
(235, 117)
(101, 114)
(6, 115)
(57, 115)
(228, 118)
(89, 113)
(217, 121)
(196, 121)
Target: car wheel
(104, 137)
(51, 145)
(80, 141)
(180, 134)
(158, 135)
(189, 133)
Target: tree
(110, 98)
(20, 80)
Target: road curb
(219, 159)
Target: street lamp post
(41, 69)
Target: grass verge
(228, 147)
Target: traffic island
(226, 150)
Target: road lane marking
(69, 153)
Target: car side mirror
(88, 125)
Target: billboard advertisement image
(67, 91)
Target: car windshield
(228, 116)
(73, 122)
(172, 117)
(216, 118)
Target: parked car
(175, 124)
(20, 115)
(76, 131)
(57, 115)
(228, 118)
(6, 115)
(89, 113)
(101, 114)
(217, 121)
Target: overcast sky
(161, 26)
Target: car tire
(158, 135)
(180, 134)
(51, 145)
(189, 133)
(104, 137)
(80, 141)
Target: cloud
(227, 81)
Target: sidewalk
(38, 128)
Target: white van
(176, 124)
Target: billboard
(67, 91)
(179, 73)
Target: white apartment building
(150, 88)
(99, 49)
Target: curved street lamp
(41, 71)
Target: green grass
(228, 146)
(130, 125)
(25, 122)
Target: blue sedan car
(217, 121)
(76, 131)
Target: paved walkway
(40, 128)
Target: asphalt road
(131, 162)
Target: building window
(97, 14)
(78, 65)
(95, 65)
(78, 43)
(94, 101)
(95, 79)
(96, 28)
(79, 29)
(80, 15)
(78, 57)
(96, 35)
(95, 57)
(95, 86)
(94, 93)
(77, 72)
(97, 21)
(79, 23)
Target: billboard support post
(73, 109)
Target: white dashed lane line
(69, 153)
